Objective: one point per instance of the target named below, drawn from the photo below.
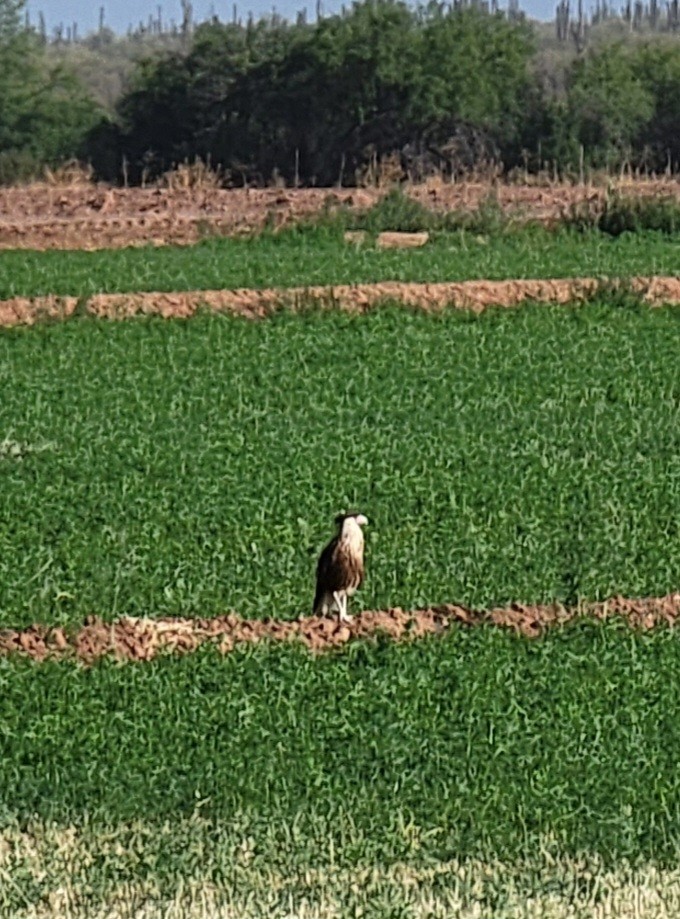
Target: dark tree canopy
(438, 88)
(315, 101)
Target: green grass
(615, 214)
(479, 744)
(620, 213)
(318, 256)
(192, 467)
(190, 868)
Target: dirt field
(143, 639)
(84, 216)
(356, 298)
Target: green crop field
(193, 467)
(319, 256)
(507, 768)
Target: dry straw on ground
(58, 865)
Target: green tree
(44, 112)
(343, 87)
(317, 100)
(10, 19)
(658, 68)
(475, 68)
(157, 114)
(607, 108)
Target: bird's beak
(361, 520)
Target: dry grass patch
(81, 871)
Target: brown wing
(325, 573)
(337, 569)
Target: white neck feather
(352, 534)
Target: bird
(340, 569)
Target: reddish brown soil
(143, 639)
(85, 216)
(355, 298)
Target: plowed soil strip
(84, 216)
(142, 639)
(354, 298)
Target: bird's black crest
(342, 517)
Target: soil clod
(142, 639)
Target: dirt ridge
(252, 303)
(142, 639)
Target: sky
(119, 14)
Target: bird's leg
(341, 603)
(343, 610)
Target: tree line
(437, 88)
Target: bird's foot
(345, 618)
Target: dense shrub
(44, 111)
(319, 103)
(382, 91)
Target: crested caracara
(340, 571)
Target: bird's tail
(317, 606)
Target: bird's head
(359, 519)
